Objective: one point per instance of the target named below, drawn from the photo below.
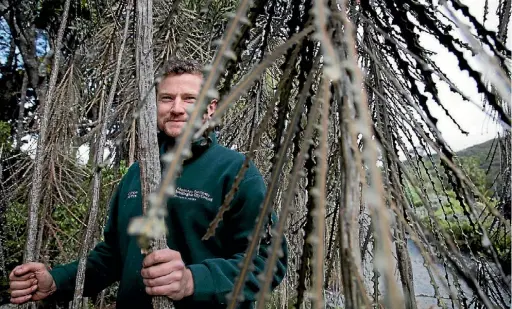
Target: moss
(453, 220)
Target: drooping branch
(98, 166)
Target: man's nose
(178, 107)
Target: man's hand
(30, 281)
(164, 273)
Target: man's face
(175, 93)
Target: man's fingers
(15, 273)
(161, 270)
(164, 280)
(164, 290)
(176, 295)
(25, 277)
(25, 269)
(20, 300)
(20, 285)
(39, 296)
(24, 292)
(175, 292)
(157, 290)
(174, 287)
(160, 256)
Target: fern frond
(264, 212)
(318, 237)
(261, 128)
(286, 206)
(321, 14)
(375, 192)
(241, 87)
(499, 79)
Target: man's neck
(200, 143)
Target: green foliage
(69, 221)
(5, 135)
(481, 155)
(13, 240)
(465, 233)
(413, 196)
(452, 219)
(65, 225)
(15, 232)
(502, 241)
(473, 169)
(451, 215)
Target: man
(192, 272)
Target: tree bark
(21, 112)
(3, 209)
(132, 144)
(35, 193)
(148, 154)
(96, 112)
(98, 162)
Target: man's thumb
(20, 270)
(23, 269)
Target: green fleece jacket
(200, 190)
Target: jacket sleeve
(103, 263)
(215, 278)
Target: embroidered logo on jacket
(132, 194)
(192, 195)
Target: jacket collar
(198, 146)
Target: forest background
(386, 94)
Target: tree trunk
(102, 299)
(21, 112)
(98, 162)
(132, 144)
(96, 115)
(3, 209)
(149, 159)
(35, 193)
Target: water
(422, 281)
(424, 289)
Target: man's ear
(212, 107)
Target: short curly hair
(181, 66)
